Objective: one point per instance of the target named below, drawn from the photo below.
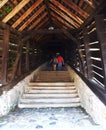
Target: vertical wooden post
(87, 54)
(5, 57)
(100, 26)
(19, 68)
(27, 56)
(16, 64)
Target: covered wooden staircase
(50, 89)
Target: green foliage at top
(7, 9)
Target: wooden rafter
(15, 10)
(61, 19)
(73, 23)
(41, 24)
(59, 23)
(31, 18)
(3, 2)
(38, 20)
(5, 26)
(64, 23)
(48, 10)
(26, 13)
(76, 8)
(90, 3)
(68, 12)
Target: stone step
(51, 91)
(51, 83)
(50, 100)
(51, 88)
(53, 76)
(49, 105)
(42, 95)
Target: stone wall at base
(9, 99)
(89, 101)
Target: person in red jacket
(60, 61)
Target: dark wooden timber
(100, 25)
(17, 61)
(27, 56)
(90, 18)
(5, 26)
(88, 54)
(48, 10)
(5, 56)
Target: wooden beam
(76, 8)
(59, 24)
(28, 12)
(41, 23)
(38, 20)
(27, 56)
(3, 2)
(88, 69)
(90, 18)
(90, 3)
(15, 10)
(5, 26)
(65, 23)
(31, 18)
(69, 13)
(65, 17)
(100, 25)
(48, 10)
(17, 61)
(5, 53)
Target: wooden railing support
(100, 25)
(27, 56)
(88, 55)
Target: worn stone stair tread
(45, 105)
(49, 95)
(52, 83)
(51, 91)
(50, 100)
(52, 87)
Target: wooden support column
(5, 57)
(88, 70)
(100, 26)
(19, 69)
(27, 56)
(17, 61)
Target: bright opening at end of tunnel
(51, 28)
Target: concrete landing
(48, 119)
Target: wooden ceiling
(27, 15)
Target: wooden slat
(37, 21)
(31, 18)
(73, 23)
(15, 10)
(59, 19)
(48, 10)
(76, 8)
(3, 2)
(41, 24)
(59, 23)
(69, 13)
(26, 13)
(90, 3)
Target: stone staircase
(54, 76)
(51, 89)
